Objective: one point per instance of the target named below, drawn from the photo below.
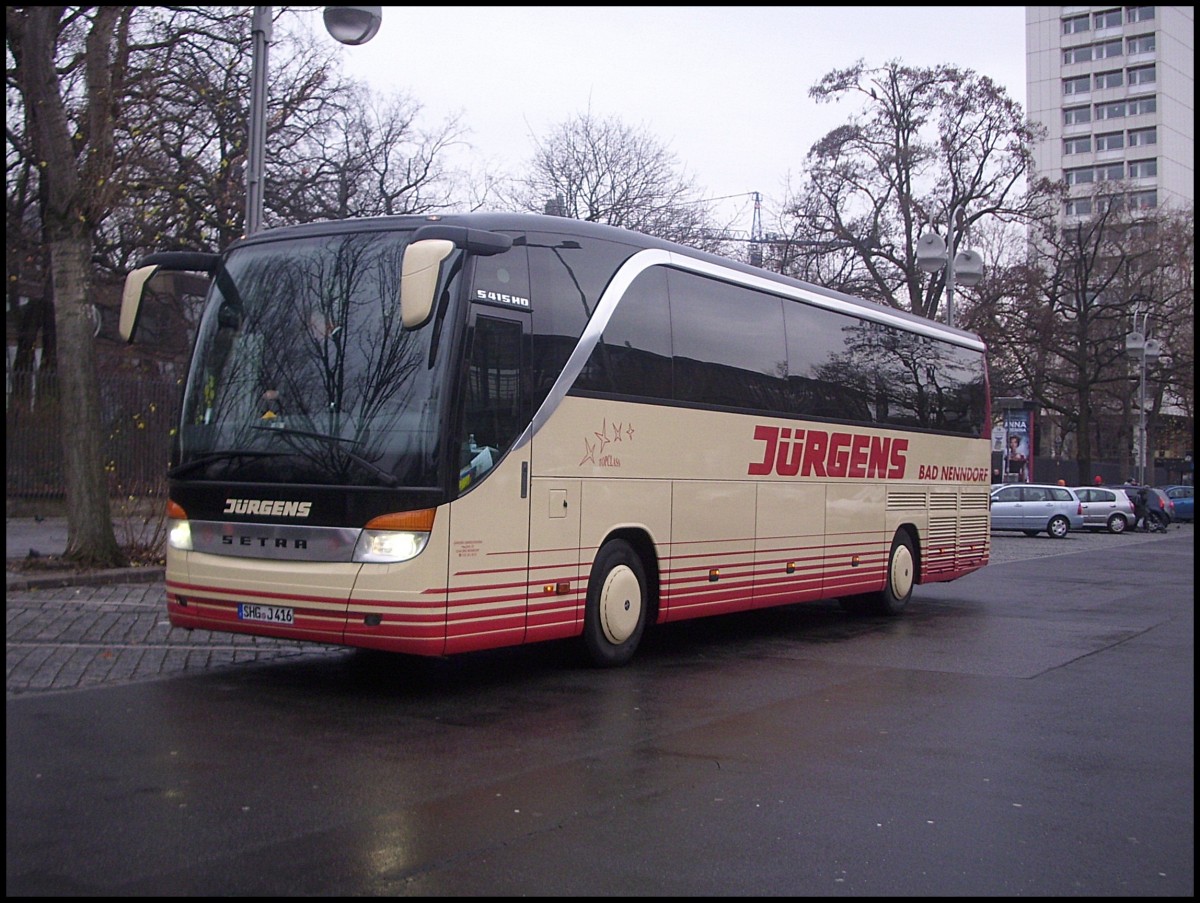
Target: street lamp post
(346, 24)
(1147, 351)
(962, 266)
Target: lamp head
(968, 267)
(931, 252)
(353, 24)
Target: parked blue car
(1184, 499)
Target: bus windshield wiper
(189, 466)
(386, 478)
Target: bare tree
(334, 149)
(1057, 335)
(605, 171)
(929, 141)
(363, 155)
(69, 67)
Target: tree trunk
(90, 537)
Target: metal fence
(138, 417)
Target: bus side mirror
(420, 274)
(131, 299)
(170, 261)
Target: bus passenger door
(487, 577)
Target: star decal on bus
(594, 451)
(589, 453)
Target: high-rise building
(1114, 87)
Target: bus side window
(633, 356)
(493, 415)
(568, 278)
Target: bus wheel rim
(620, 604)
(902, 572)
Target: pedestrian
(1098, 481)
(1141, 519)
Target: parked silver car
(1160, 507)
(1105, 509)
(1035, 508)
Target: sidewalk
(71, 631)
(43, 536)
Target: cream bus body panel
(205, 590)
(710, 567)
(857, 541)
(556, 589)
(789, 543)
(487, 582)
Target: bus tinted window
(633, 356)
(824, 377)
(715, 343)
(570, 276)
(728, 344)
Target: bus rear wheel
(901, 577)
(615, 617)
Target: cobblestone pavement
(73, 637)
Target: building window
(1079, 207)
(1110, 141)
(1114, 202)
(1143, 137)
(1108, 49)
(1143, 105)
(1080, 145)
(1143, 200)
(1113, 79)
(1110, 172)
(1077, 54)
(1143, 169)
(1077, 115)
(1076, 24)
(1141, 44)
(1110, 18)
(1080, 85)
(1139, 13)
(1080, 176)
(1114, 110)
(1142, 75)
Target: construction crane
(756, 232)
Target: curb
(94, 578)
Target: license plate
(272, 614)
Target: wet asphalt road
(1026, 730)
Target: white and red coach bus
(440, 434)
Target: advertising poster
(1018, 446)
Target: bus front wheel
(901, 577)
(615, 617)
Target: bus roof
(525, 222)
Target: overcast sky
(725, 88)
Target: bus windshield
(303, 372)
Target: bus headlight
(391, 538)
(179, 535)
(384, 546)
(179, 528)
